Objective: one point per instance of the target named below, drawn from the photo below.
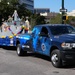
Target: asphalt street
(31, 64)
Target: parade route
(31, 64)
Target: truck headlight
(73, 45)
(66, 45)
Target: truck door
(44, 43)
(35, 34)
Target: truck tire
(20, 52)
(56, 58)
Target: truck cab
(56, 41)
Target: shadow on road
(40, 56)
(8, 48)
(36, 55)
(69, 66)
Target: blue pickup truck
(56, 41)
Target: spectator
(10, 19)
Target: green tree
(7, 9)
(36, 19)
(22, 11)
(40, 20)
(72, 20)
(56, 20)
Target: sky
(55, 5)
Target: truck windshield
(59, 30)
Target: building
(29, 4)
(41, 10)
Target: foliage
(56, 20)
(71, 20)
(7, 9)
(36, 19)
(22, 11)
(40, 20)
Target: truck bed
(8, 36)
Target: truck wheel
(20, 52)
(56, 58)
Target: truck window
(59, 30)
(44, 32)
(71, 29)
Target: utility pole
(63, 12)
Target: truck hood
(65, 38)
(24, 36)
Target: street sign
(63, 10)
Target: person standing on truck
(27, 25)
(10, 19)
(4, 26)
(22, 23)
(15, 15)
